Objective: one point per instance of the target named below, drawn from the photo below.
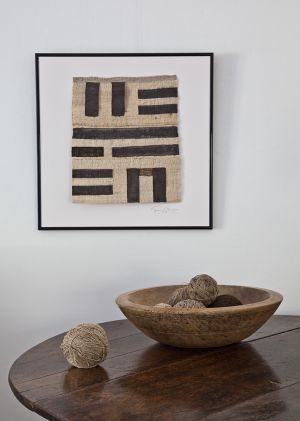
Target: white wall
(53, 280)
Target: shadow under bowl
(199, 328)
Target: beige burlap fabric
(125, 146)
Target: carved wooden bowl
(199, 328)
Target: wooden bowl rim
(274, 298)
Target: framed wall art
(124, 140)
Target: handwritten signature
(163, 209)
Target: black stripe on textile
(149, 150)
(125, 133)
(157, 93)
(92, 99)
(92, 173)
(159, 185)
(79, 151)
(92, 190)
(158, 109)
(118, 99)
(133, 185)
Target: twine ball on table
(85, 345)
(189, 304)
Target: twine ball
(179, 294)
(162, 305)
(189, 304)
(226, 300)
(203, 288)
(85, 345)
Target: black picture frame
(39, 181)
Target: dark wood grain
(142, 380)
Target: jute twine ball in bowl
(201, 288)
(179, 294)
(162, 305)
(226, 300)
(85, 345)
(189, 304)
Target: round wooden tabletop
(143, 380)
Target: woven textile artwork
(125, 146)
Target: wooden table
(141, 380)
